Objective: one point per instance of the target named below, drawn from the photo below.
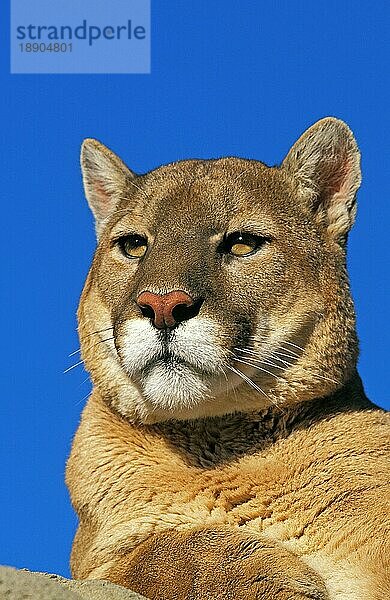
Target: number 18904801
(43, 47)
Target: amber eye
(242, 244)
(133, 246)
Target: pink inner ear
(338, 176)
(344, 172)
(102, 203)
(99, 190)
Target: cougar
(228, 450)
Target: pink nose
(166, 310)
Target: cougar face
(215, 281)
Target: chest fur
(313, 489)
(151, 483)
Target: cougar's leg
(216, 564)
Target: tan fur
(189, 482)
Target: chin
(174, 386)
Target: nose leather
(162, 306)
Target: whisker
(306, 370)
(85, 380)
(249, 381)
(83, 399)
(98, 331)
(222, 370)
(73, 366)
(324, 377)
(122, 210)
(252, 384)
(268, 355)
(257, 338)
(260, 369)
(235, 393)
(270, 363)
(90, 348)
(99, 342)
(294, 345)
(138, 188)
(75, 352)
(286, 363)
(292, 355)
(106, 340)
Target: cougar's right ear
(325, 162)
(104, 177)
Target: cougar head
(220, 285)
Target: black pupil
(131, 242)
(135, 242)
(239, 238)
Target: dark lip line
(161, 358)
(166, 357)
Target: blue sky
(227, 78)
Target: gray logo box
(73, 36)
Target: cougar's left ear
(325, 162)
(104, 177)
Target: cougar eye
(133, 246)
(242, 244)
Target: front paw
(216, 564)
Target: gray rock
(25, 585)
